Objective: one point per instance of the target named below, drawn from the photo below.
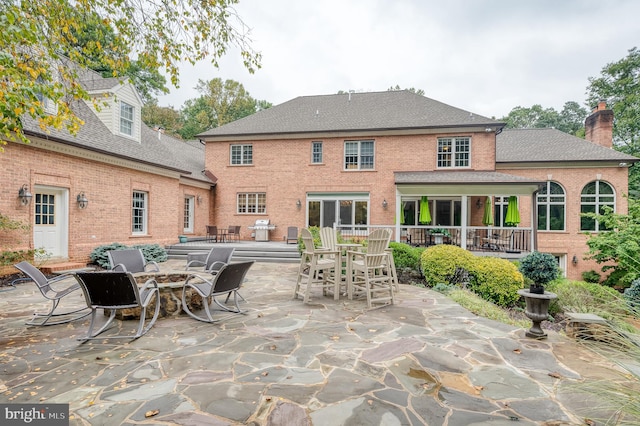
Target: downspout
(397, 218)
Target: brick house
(354, 161)
(142, 186)
(361, 160)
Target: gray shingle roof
(459, 177)
(545, 145)
(400, 109)
(166, 152)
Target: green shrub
(540, 268)
(632, 294)
(153, 252)
(439, 262)
(496, 280)
(8, 258)
(591, 276)
(406, 256)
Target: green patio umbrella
(487, 218)
(513, 215)
(425, 214)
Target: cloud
(483, 56)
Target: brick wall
(108, 188)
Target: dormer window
(126, 118)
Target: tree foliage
(619, 86)
(168, 118)
(617, 250)
(221, 102)
(569, 120)
(42, 56)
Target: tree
(148, 81)
(36, 34)
(569, 120)
(221, 102)
(619, 86)
(618, 250)
(166, 117)
(411, 89)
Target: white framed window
(316, 152)
(341, 209)
(126, 118)
(139, 212)
(594, 197)
(188, 213)
(251, 203)
(551, 207)
(454, 152)
(358, 155)
(241, 154)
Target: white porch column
(397, 219)
(463, 221)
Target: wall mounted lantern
(299, 204)
(478, 204)
(384, 204)
(82, 201)
(574, 260)
(24, 195)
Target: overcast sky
(484, 56)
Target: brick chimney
(599, 126)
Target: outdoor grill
(261, 229)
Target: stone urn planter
(539, 268)
(537, 310)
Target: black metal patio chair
(118, 290)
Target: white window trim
(313, 152)
(597, 203)
(359, 155)
(145, 215)
(454, 152)
(189, 213)
(256, 199)
(122, 119)
(243, 160)
(550, 203)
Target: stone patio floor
(422, 361)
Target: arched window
(551, 207)
(594, 197)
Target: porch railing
(474, 238)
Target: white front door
(50, 223)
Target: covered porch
(477, 211)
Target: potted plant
(439, 234)
(182, 238)
(540, 268)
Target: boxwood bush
(497, 280)
(406, 256)
(439, 262)
(151, 252)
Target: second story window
(454, 152)
(241, 154)
(126, 119)
(358, 155)
(316, 152)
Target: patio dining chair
(48, 289)
(118, 290)
(368, 271)
(292, 235)
(233, 232)
(130, 260)
(318, 267)
(228, 279)
(212, 233)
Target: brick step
(62, 267)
